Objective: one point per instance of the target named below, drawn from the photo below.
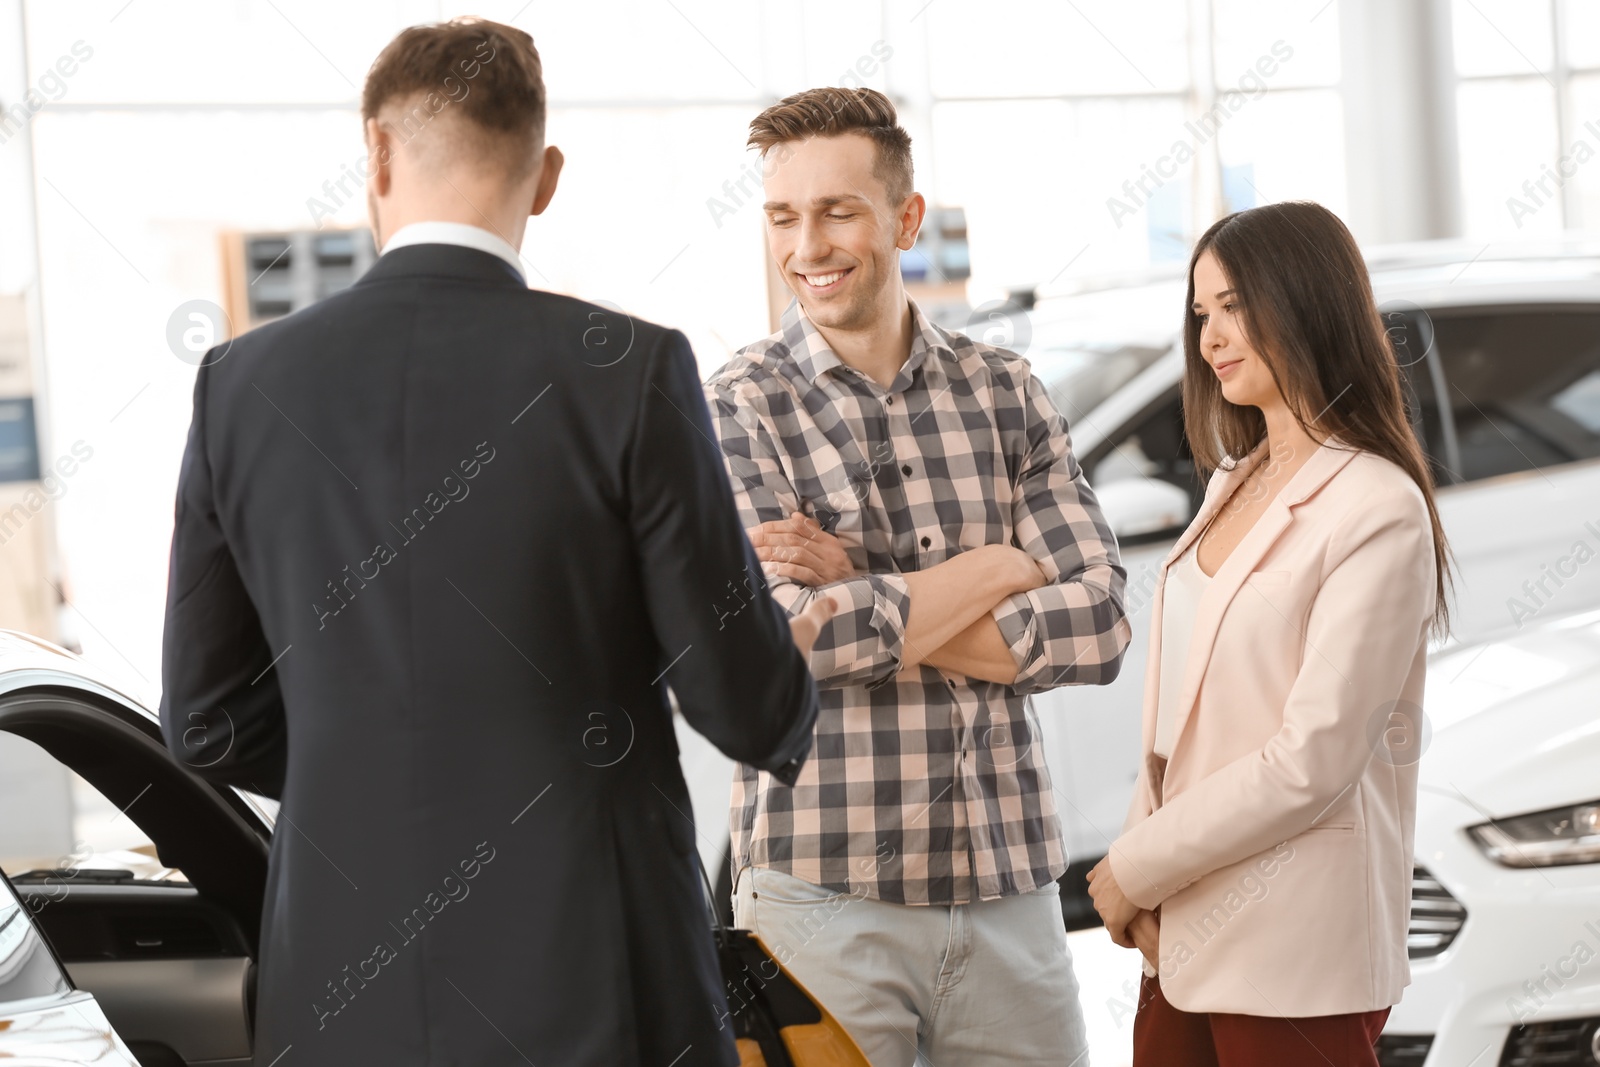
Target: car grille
(1555, 1044)
(1403, 1050)
(1436, 916)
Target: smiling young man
(925, 483)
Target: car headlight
(1553, 838)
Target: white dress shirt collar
(456, 233)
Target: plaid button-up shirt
(923, 787)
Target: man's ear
(380, 153)
(911, 216)
(549, 174)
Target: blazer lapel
(1217, 494)
(1218, 490)
(1220, 590)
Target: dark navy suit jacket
(442, 543)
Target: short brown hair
(830, 111)
(489, 73)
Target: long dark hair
(1307, 310)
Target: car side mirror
(1137, 507)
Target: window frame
(1559, 76)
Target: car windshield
(1080, 377)
(1086, 346)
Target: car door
(165, 936)
(43, 1019)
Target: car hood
(1515, 721)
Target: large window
(1115, 133)
(1280, 63)
(1528, 115)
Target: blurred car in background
(1505, 904)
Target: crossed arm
(1043, 611)
(951, 623)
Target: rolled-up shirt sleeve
(862, 643)
(1074, 629)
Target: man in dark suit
(441, 544)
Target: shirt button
(926, 541)
(889, 402)
(952, 682)
(905, 469)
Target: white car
(1505, 914)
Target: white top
(1180, 599)
(456, 233)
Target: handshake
(798, 548)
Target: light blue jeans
(967, 985)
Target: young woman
(1265, 867)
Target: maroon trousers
(1163, 1036)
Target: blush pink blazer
(1277, 840)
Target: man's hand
(799, 548)
(1116, 910)
(1145, 929)
(805, 626)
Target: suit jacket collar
(443, 232)
(443, 261)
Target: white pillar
(1399, 89)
